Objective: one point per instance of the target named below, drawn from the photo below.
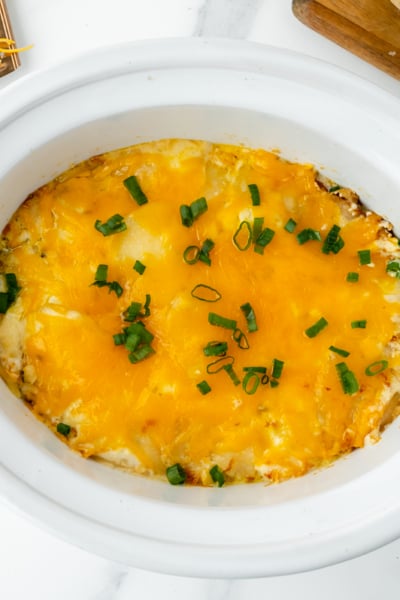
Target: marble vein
(227, 18)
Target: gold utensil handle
(8, 63)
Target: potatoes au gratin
(202, 312)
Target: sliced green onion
(364, 257)
(114, 286)
(139, 267)
(219, 365)
(3, 302)
(242, 236)
(191, 255)
(258, 225)
(347, 379)
(215, 349)
(8, 298)
(277, 368)
(217, 475)
(306, 235)
(261, 370)
(333, 242)
(393, 267)
(240, 338)
(140, 353)
(176, 474)
(376, 367)
(334, 188)
(101, 273)
(114, 224)
(132, 341)
(263, 240)
(229, 369)
(290, 226)
(203, 387)
(250, 317)
(63, 429)
(215, 319)
(206, 248)
(360, 324)
(338, 245)
(198, 207)
(352, 277)
(250, 383)
(339, 351)
(205, 293)
(139, 329)
(274, 383)
(264, 379)
(119, 339)
(254, 193)
(186, 215)
(316, 328)
(133, 311)
(133, 187)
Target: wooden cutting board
(369, 28)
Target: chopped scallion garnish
(258, 225)
(240, 338)
(63, 429)
(114, 224)
(119, 339)
(339, 351)
(261, 370)
(376, 367)
(263, 240)
(139, 267)
(393, 267)
(360, 324)
(250, 317)
(229, 369)
(191, 255)
(290, 226)
(198, 207)
(133, 187)
(215, 349)
(205, 293)
(8, 297)
(316, 328)
(334, 189)
(140, 353)
(217, 475)
(333, 242)
(347, 379)
(220, 321)
(308, 234)
(176, 474)
(242, 236)
(250, 382)
(254, 193)
(190, 213)
(203, 387)
(352, 277)
(364, 257)
(219, 365)
(101, 273)
(277, 368)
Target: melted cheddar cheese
(57, 348)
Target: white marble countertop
(34, 563)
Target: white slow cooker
(221, 91)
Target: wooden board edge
(335, 27)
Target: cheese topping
(306, 308)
